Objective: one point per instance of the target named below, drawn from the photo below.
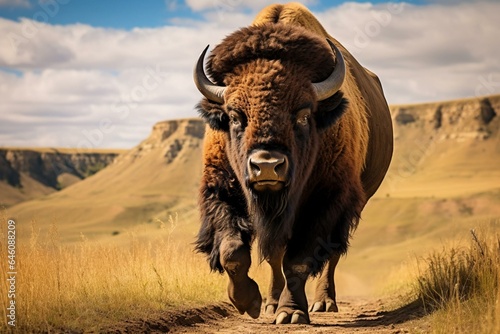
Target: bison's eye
(235, 118)
(303, 117)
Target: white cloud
(422, 53)
(81, 85)
(82, 46)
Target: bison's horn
(332, 84)
(205, 86)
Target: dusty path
(356, 315)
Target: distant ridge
(469, 118)
(27, 173)
(442, 149)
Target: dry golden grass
(463, 286)
(88, 286)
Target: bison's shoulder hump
(271, 41)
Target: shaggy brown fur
(338, 158)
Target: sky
(101, 73)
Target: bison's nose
(267, 170)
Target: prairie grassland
(462, 286)
(88, 285)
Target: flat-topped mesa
(169, 137)
(473, 118)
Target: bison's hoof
(246, 297)
(296, 317)
(254, 309)
(324, 306)
(271, 309)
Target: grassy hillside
(157, 178)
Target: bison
(298, 138)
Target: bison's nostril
(281, 168)
(254, 168)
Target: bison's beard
(270, 212)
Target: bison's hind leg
(324, 297)
(277, 282)
(292, 306)
(242, 290)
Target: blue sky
(128, 14)
(70, 68)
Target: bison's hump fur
(273, 41)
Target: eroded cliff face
(444, 144)
(45, 166)
(30, 173)
(474, 118)
(169, 137)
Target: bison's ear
(214, 115)
(330, 110)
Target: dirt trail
(356, 315)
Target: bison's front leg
(324, 297)
(226, 232)
(242, 290)
(292, 307)
(225, 237)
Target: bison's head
(276, 89)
